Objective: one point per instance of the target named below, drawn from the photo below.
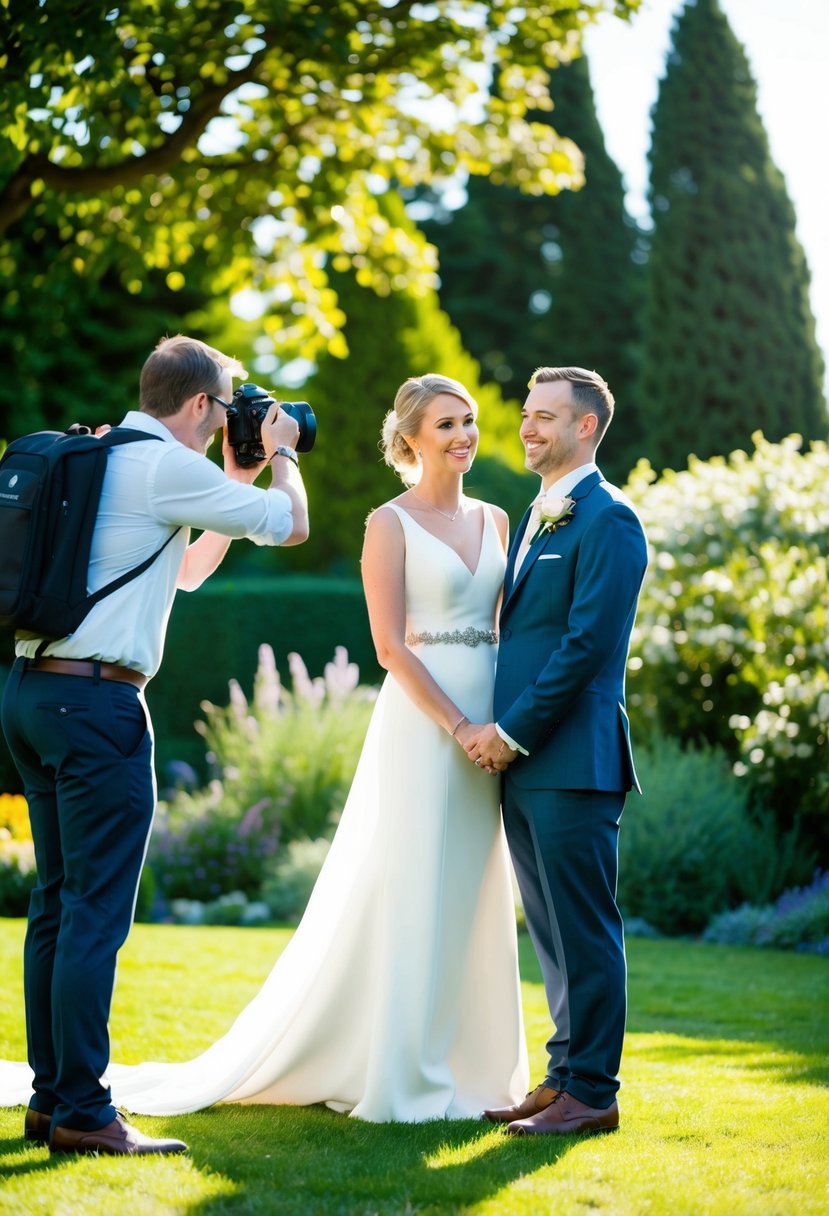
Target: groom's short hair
(589, 392)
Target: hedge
(214, 634)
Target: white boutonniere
(556, 511)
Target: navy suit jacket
(565, 631)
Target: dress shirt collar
(137, 420)
(570, 480)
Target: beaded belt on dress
(456, 637)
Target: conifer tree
(729, 334)
(389, 339)
(531, 280)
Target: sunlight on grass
(458, 1154)
(724, 1104)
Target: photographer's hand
(278, 430)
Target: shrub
(283, 763)
(215, 634)
(231, 909)
(300, 746)
(17, 876)
(17, 856)
(689, 847)
(799, 920)
(731, 645)
(289, 887)
(208, 844)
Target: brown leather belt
(86, 667)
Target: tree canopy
(729, 335)
(531, 281)
(261, 133)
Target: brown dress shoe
(565, 1116)
(538, 1099)
(118, 1138)
(36, 1126)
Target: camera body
(248, 408)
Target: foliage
(261, 132)
(297, 868)
(73, 348)
(284, 764)
(303, 744)
(799, 920)
(207, 844)
(689, 847)
(17, 857)
(14, 818)
(17, 876)
(731, 644)
(729, 333)
(534, 280)
(226, 620)
(232, 909)
(389, 340)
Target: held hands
(485, 747)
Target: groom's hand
(486, 748)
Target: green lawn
(725, 1106)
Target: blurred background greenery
(282, 180)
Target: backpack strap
(113, 438)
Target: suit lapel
(513, 550)
(581, 490)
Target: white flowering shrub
(731, 643)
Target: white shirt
(560, 488)
(149, 490)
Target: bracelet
(282, 450)
(457, 724)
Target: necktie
(533, 524)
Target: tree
(729, 334)
(345, 476)
(74, 352)
(261, 132)
(534, 280)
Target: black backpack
(50, 487)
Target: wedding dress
(397, 997)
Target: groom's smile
(550, 431)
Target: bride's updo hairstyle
(402, 422)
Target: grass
(725, 1104)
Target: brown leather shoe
(565, 1116)
(118, 1138)
(538, 1099)
(36, 1126)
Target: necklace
(432, 507)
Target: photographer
(77, 725)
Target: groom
(572, 582)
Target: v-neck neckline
(446, 544)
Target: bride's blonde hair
(403, 421)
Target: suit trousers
(564, 846)
(84, 750)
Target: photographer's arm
(205, 555)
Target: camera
(248, 408)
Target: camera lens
(303, 415)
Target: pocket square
(549, 557)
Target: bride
(397, 998)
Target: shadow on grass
(313, 1161)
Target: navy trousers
(84, 750)
(564, 849)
